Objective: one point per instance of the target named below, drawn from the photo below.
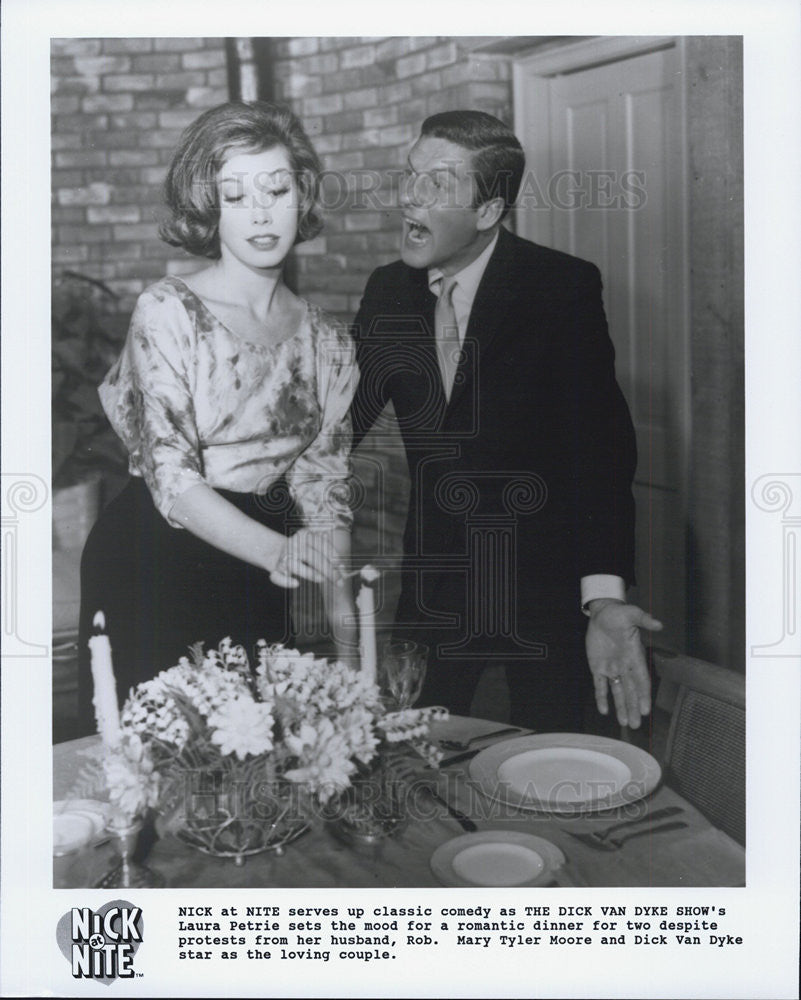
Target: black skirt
(162, 589)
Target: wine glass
(128, 874)
(401, 672)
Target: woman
(231, 396)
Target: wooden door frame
(529, 88)
(531, 73)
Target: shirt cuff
(600, 585)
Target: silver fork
(599, 836)
(615, 843)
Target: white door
(606, 146)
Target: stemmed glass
(128, 874)
(401, 672)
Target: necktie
(446, 329)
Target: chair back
(705, 754)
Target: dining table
(679, 847)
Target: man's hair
(229, 129)
(498, 159)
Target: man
(495, 354)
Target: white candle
(105, 694)
(365, 603)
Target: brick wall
(118, 107)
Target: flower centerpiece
(239, 760)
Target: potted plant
(85, 340)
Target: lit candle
(365, 603)
(105, 694)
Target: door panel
(614, 172)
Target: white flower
(152, 709)
(297, 742)
(412, 725)
(329, 717)
(325, 765)
(242, 726)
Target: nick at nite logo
(101, 944)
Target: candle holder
(129, 874)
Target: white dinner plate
(78, 822)
(496, 858)
(565, 772)
(71, 831)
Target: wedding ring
(615, 680)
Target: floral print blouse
(193, 402)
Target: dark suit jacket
(527, 470)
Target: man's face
(440, 226)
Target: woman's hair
(191, 190)
(498, 157)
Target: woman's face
(258, 208)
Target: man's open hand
(617, 658)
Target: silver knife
(464, 822)
(465, 755)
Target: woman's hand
(308, 555)
(316, 556)
(322, 557)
